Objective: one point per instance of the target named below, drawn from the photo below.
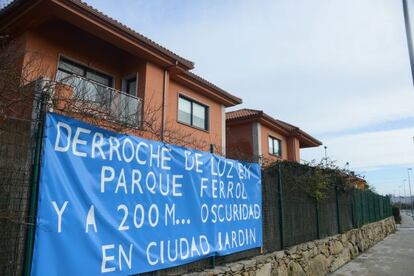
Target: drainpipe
(164, 90)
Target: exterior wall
(314, 258)
(48, 43)
(53, 39)
(239, 141)
(154, 89)
(257, 138)
(245, 138)
(20, 105)
(266, 132)
(204, 138)
(293, 146)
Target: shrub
(396, 214)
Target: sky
(337, 69)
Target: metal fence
(19, 136)
(292, 215)
(369, 207)
(14, 193)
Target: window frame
(279, 141)
(192, 101)
(128, 81)
(85, 69)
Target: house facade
(78, 46)
(255, 136)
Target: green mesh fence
(293, 215)
(300, 215)
(18, 138)
(327, 211)
(345, 210)
(15, 173)
(271, 214)
(370, 207)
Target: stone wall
(314, 258)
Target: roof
(207, 83)
(242, 114)
(11, 12)
(245, 114)
(189, 64)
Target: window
(192, 113)
(131, 86)
(184, 111)
(275, 146)
(68, 68)
(88, 84)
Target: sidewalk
(392, 256)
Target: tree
(82, 99)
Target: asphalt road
(392, 256)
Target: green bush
(396, 214)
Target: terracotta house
(254, 135)
(359, 182)
(114, 62)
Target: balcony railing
(112, 104)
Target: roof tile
(245, 114)
(242, 114)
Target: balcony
(91, 98)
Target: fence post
(368, 198)
(389, 207)
(281, 210)
(372, 210)
(338, 220)
(353, 213)
(385, 207)
(39, 115)
(379, 204)
(366, 207)
(361, 201)
(361, 209)
(381, 207)
(213, 258)
(318, 230)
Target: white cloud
(326, 66)
(347, 111)
(369, 151)
(323, 65)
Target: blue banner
(117, 204)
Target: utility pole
(326, 155)
(409, 37)
(409, 186)
(405, 194)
